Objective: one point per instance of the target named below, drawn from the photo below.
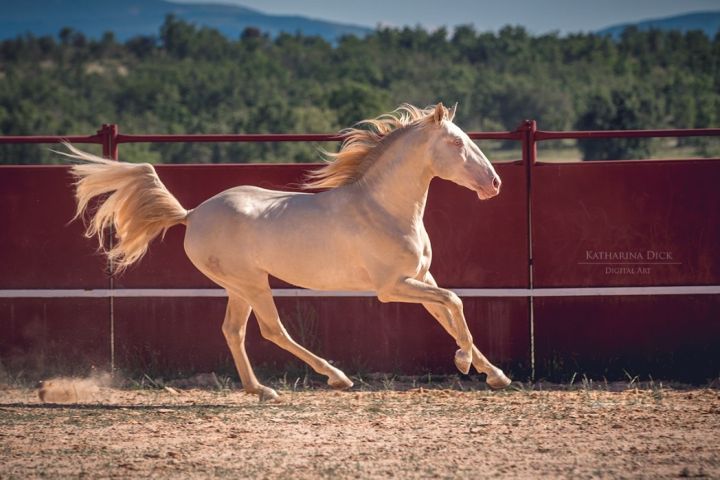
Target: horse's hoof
(267, 394)
(463, 361)
(498, 380)
(339, 381)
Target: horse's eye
(458, 141)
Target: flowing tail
(138, 205)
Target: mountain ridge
(707, 21)
(129, 18)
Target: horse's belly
(359, 281)
(330, 272)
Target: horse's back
(246, 200)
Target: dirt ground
(523, 432)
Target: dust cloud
(73, 389)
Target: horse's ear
(451, 112)
(440, 113)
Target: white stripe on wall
(297, 292)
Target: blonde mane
(363, 144)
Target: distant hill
(708, 22)
(128, 18)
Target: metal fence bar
(541, 135)
(108, 136)
(10, 139)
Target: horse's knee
(453, 303)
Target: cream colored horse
(364, 232)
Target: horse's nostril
(496, 183)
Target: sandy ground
(416, 433)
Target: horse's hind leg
(272, 329)
(234, 327)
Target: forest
(195, 80)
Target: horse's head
(456, 158)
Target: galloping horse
(363, 232)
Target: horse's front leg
(449, 306)
(495, 377)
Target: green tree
(620, 110)
(353, 102)
(195, 80)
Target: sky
(538, 16)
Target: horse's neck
(398, 181)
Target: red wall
(38, 249)
(358, 334)
(656, 206)
(476, 244)
(671, 209)
(664, 215)
(54, 336)
(667, 337)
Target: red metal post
(528, 128)
(109, 134)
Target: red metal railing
(688, 132)
(110, 138)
